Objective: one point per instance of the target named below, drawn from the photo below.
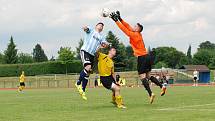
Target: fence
(68, 81)
(182, 76)
(59, 80)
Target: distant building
(204, 72)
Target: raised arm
(98, 52)
(115, 18)
(123, 22)
(125, 30)
(103, 45)
(86, 29)
(126, 25)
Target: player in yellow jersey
(107, 76)
(22, 82)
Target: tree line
(168, 57)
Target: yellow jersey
(105, 65)
(22, 78)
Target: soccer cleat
(152, 98)
(121, 106)
(84, 96)
(163, 91)
(79, 88)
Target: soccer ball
(105, 12)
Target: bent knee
(142, 76)
(88, 67)
(116, 88)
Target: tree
(203, 57)
(131, 64)
(120, 58)
(65, 55)
(169, 56)
(207, 45)
(10, 54)
(78, 49)
(149, 49)
(131, 61)
(121, 54)
(39, 54)
(129, 51)
(160, 65)
(1, 58)
(205, 54)
(183, 61)
(212, 63)
(189, 55)
(52, 58)
(25, 58)
(113, 39)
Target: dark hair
(140, 26)
(100, 23)
(110, 48)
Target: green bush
(52, 67)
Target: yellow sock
(119, 100)
(113, 98)
(20, 88)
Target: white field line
(189, 107)
(184, 109)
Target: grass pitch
(180, 104)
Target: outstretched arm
(126, 25)
(128, 32)
(123, 22)
(124, 29)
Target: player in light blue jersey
(92, 41)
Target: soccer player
(92, 41)
(22, 82)
(144, 60)
(107, 76)
(195, 77)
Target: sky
(58, 23)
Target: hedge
(52, 67)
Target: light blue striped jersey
(92, 41)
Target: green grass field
(180, 104)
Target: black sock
(147, 87)
(154, 80)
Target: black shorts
(107, 81)
(195, 78)
(86, 58)
(22, 84)
(144, 64)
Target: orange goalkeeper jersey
(136, 39)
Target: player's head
(138, 28)
(112, 52)
(99, 27)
